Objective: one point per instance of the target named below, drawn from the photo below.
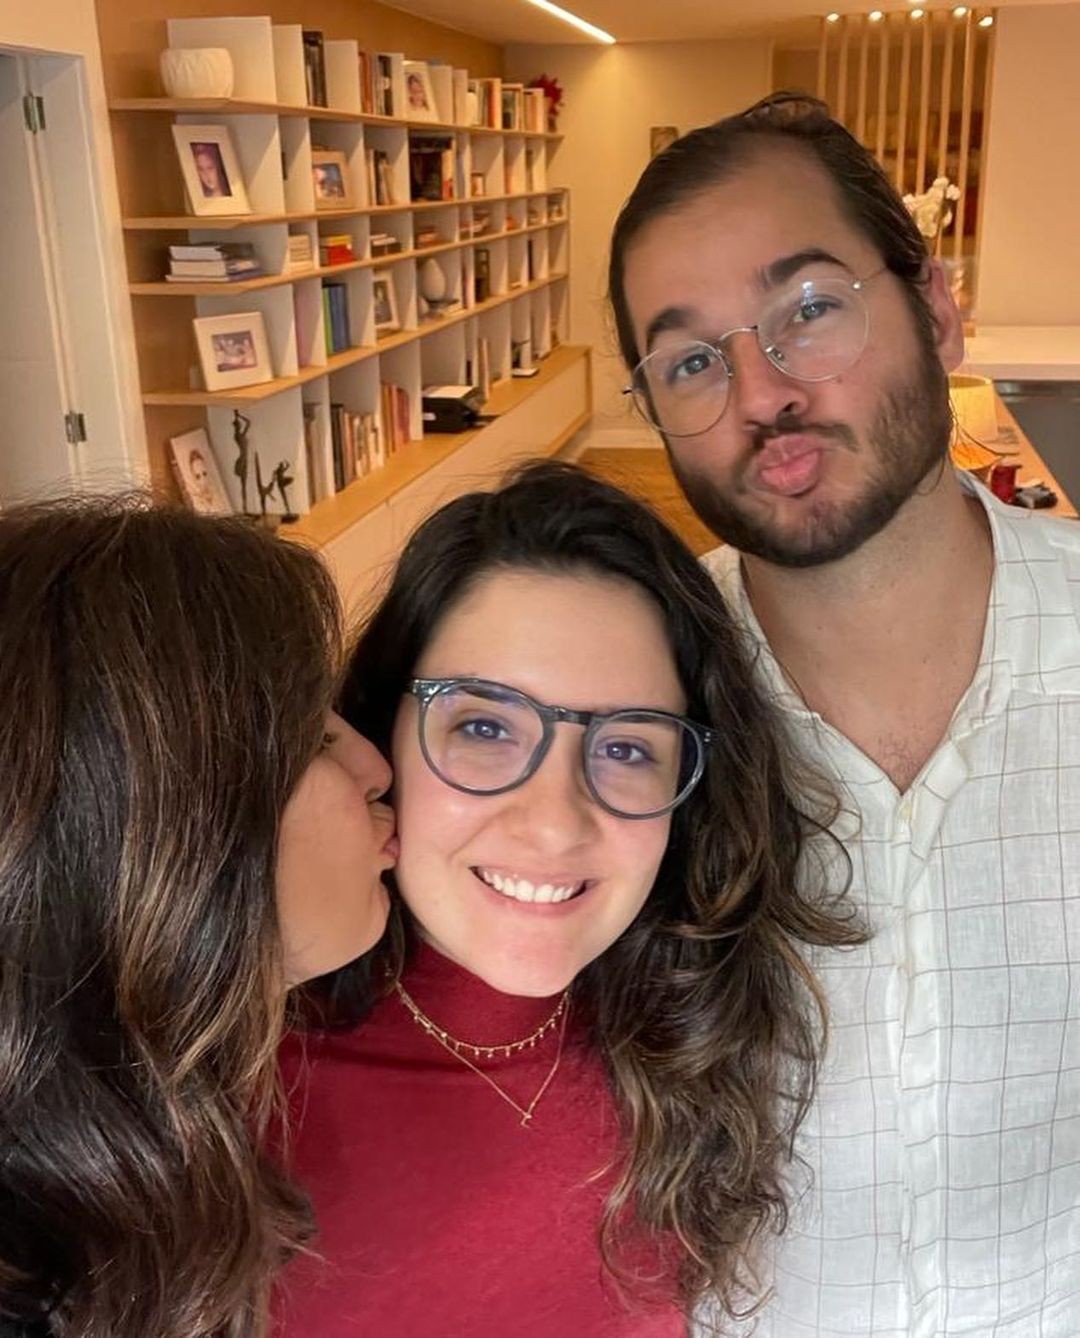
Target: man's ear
(948, 324)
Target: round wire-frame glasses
(649, 761)
(812, 331)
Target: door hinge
(74, 427)
(34, 112)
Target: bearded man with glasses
(789, 338)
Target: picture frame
(384, 300)
(233, 350)
(211, 171)
(420, 102)
(330, 180)
(197, 475)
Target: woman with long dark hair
(186, 831)
(559, 1095)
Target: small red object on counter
(1003, 481)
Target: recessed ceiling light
(875, 16)
(959, 11)
(558, 12)
(832, 18)
(987, 21)
(917, 13)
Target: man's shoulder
(1041, 544)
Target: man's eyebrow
(671, 318)
(788, 266)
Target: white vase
(432, 281)
(197, 72)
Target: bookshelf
(499, 237)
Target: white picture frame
(330, 180)
(212, 176)
(420, 104)
(197, 474)
(233, 350)
(384, 302)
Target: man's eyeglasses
(811, 331)
(485, 738)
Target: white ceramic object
(432, 281)
(197, 72)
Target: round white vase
(432, 281)
(197, 72)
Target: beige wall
(1029, 264)
(612, 95)
(70, 27)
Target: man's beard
(908, 438)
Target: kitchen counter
(1024, 352)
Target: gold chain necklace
(456, 1048)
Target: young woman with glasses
(558, 1097)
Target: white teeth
(520, 889)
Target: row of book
(360, 442)
(380, 176)
(431, 168)
(335, 298)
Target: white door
(35, 454)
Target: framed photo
(197, 474)
(661, 137)
(212, 176)
(233, 350)
(330, 178)
(419, 95)
(386, 309)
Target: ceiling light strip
(582, 25)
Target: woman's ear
(948, 324)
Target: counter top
(1024, 352)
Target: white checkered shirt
(944, 1143)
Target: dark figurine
(241, 428)
(283, 479)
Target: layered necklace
(458, 1048)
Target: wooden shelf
(236, 107)
(214, 222)
(337, 361)
(333, 516)
(160, 288)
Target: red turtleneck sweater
(439, 1215)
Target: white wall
(1029, 263)
(611, 96)
(70, 27)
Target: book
(431, 168)
(482, 273)
(185, 271)
(298, 252)
(314, 68)
(337, 300)
(512, 106)
(212, 251)
(382, 244)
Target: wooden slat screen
(913, 88)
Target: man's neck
(883, 643)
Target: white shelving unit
(522, 315)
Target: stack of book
(431, 168)
(356, 445)
(427, 234)
(380, 177)
(314, 68)
(394, 411)
(298, 252)
(383, 244)
(336, 250)
(336, 317)
(213, 262)
(488, 101)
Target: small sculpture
(282, 479)
(241, 428)
(265, 490)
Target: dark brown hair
(712, 154)
(165, 679)
(703, 1010)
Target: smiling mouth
(521, 889)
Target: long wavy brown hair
(704, 1011)
(164, 680)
